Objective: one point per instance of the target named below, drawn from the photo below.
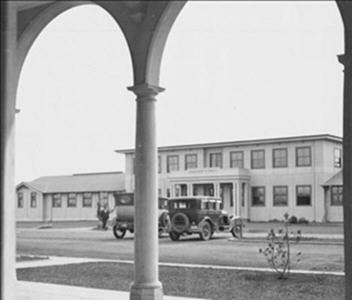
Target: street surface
(221, 250)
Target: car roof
(194, 198)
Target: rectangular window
(20, 199)
(304, 195)
(180, 190)
(159, 164)
(258, 196)
(33, 199)
(280, 195)
(215, 160)
(280, 158)
(190, 161)
(237, 159)
(336, 195)
(257, 159)
(87, 200)
(72, 200)
(337, 158)
(57, 200)
(303, 157)
(172, 163)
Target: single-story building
(67, 197)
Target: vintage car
(124, 208)
(199, 214)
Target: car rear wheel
(235, 231)
(174, 236)
(205, 231)
(118, 233)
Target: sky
(232, 71)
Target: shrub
(293, 220)
(302, 221)
(274, 221)
(278, 251)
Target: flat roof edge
(244, 142)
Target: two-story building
(259, 180)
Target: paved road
(219, 251)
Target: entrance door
(226, 194)
(206, 189)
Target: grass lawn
(193, 282)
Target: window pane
(280, 196)
(33, 200)
(57, 200)
(215, 160)
(87, 200)
(172, 163)
(338, 158)
(336, 195)
(72, 200)
(190, 161)
(303, 156)
(257, 159)
(258, 196)
(303, 195)
(236, 159)
(280, 158)
(20, 200)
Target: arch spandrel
(145, 26)
(345, 8)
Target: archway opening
(74, 106)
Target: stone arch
(159, 39)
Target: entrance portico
(231, 185)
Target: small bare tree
(278, 251)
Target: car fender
(206, 219)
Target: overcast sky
(232, 71)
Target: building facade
(69, 197)
(259, 180)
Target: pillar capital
(145, 90)
(346, 60)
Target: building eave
(305, 138)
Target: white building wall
(28, 213)
(321, 169)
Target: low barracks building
(259, 180)
(67, 197)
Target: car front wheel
(206, 232)
(236, 231)
(118, 233)
(174, 236)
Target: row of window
(303, 195)
(33, 203)
(280, 159)
(87, 199)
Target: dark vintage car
(199, 214)
(124, 208)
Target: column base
(146, 292)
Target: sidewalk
(43, 291)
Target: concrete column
(216, 186)
(9, 76)
(346, 60)
(190, 189)
(146, 285)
